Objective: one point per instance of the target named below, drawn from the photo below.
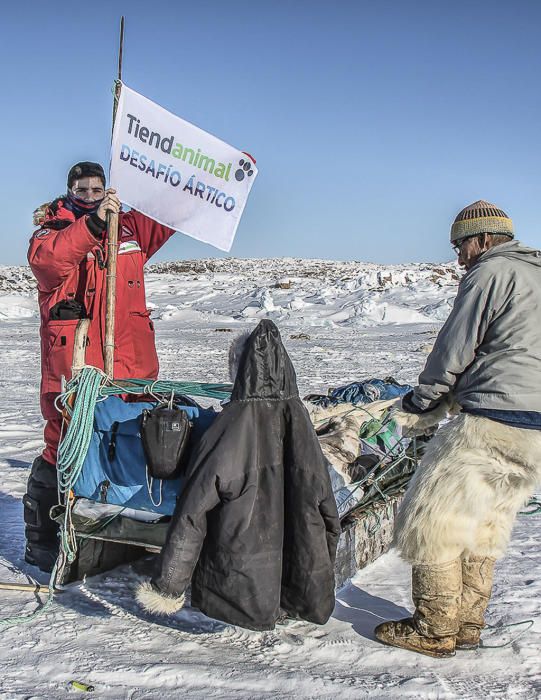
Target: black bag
(67, 310)
(165, 431)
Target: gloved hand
(408, 406)
(415, 420)
(109, 203)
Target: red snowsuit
(68, 264)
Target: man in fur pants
(482, 465)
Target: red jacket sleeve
(53, 255)
(150, 234)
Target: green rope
(372, 478)
(74, 446)
(534, 503)
(377, 526)
(396, 459)
(151, 387)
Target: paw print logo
(245, 170)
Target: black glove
(408, 406)
(96, 226)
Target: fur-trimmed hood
(54, 215)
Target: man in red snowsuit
(67, 255)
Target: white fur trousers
(473, 478)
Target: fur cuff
(419, 423)
(155, 602)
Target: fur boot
(155, 602)
(404, 635)
(436, 591)
(477, 577)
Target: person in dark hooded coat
(257, 519)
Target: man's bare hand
(109, 203)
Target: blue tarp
(361, 392)
(115, 471)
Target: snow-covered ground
(340, 322)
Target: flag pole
(112, 243)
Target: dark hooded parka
(257, 515)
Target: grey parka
(488, 353)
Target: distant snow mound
(13, 307)
(291, 291)
(16, 279)
(364, 274)
(311, 292)
(17, 293)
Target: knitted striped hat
(481, 217)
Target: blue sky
(372, 123)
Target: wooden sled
(367, 529)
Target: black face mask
(80, 207)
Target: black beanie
(85, 169)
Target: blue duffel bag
(115, 470)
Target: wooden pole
(35, 587)
(79, 346)
(112, 246)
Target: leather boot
(436, 592)
(41, 532)
(477, 577)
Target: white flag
(178, 174)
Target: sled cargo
(366, 534)
(111, 511)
